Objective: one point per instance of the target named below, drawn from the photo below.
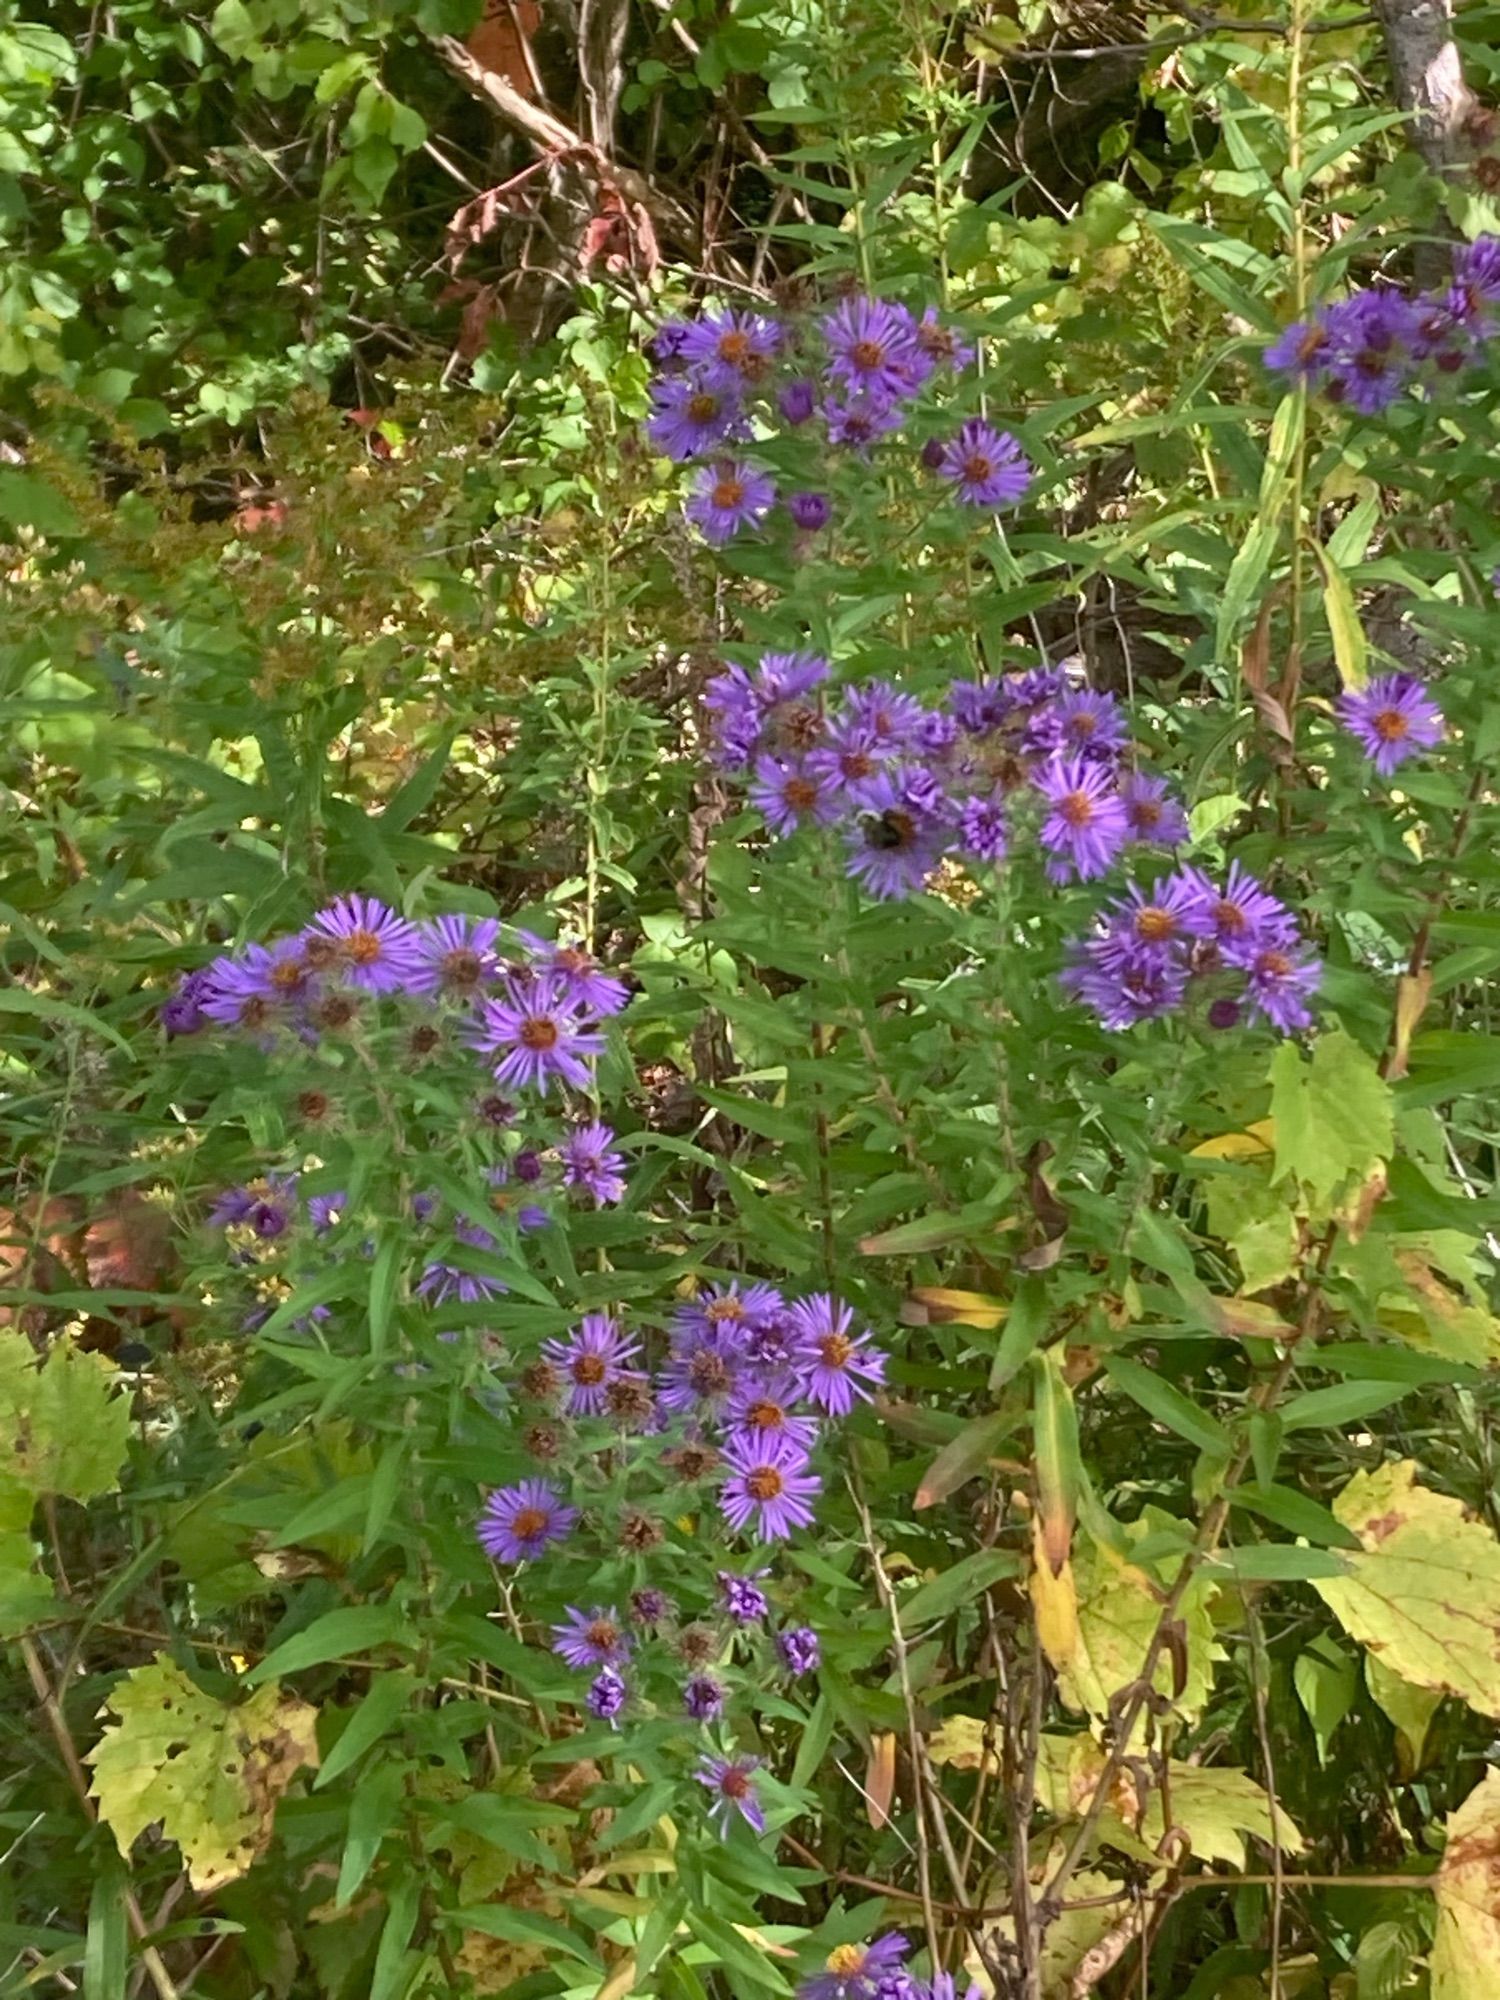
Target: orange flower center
(978, 468)
(1077, 808)
(801, 794)
(765, 1483)
(835, 1348)
(734, 347)
(288, 975)
(588, 1369)
(1390, 725)
(722, 1309)
(1276, 963)
(604, 1634)
(461, 968)
(703, 407)
(539, 1033)
(363, 946)
(728, 492)
(1154, 923)
(1229, 916)
(845, 1960)
(766, 1416)
(735, 1784)
(528, 1523)
(867, 354)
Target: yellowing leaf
(211, 1773)
(64, 1426)
(1256, 1142)
(1216, 1805)
(1410, 1709)
(1118, 1606)
(1054, 1603)
(1333, 1116)
(959, 1740)
(1466, 1951)
(940, 1305)
(1424, 1589)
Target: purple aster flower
(987, 466)
(731, 1780)
(888, 717)
(703, 1698)
(585, 982)
(981, 707)
(742, 1597)
(982, 830)
(424, 1206)
(857, 422)
(689, 417)
(728, 496)
(1370, 338)
(591, 1359)
(1151, 812)
(810, 511)
(650, 1608)
(900, 835)
(249, 989)
(373, 947)
(797, 401)
(836, 1365)
(940, 344)
(666, 345)
(698, 1375)
(455, 956)
(762, 1408)
(591, 1639)
(731, 349)
(858, 1971)
(729, 1311)
(1126, 990)
(538, 1034)
(792, 795)
(1476, 270)
(267, 1206)
(799, 1649)
(519, 1522)
(1242, 917)
(1279, 982)
(1392, 719)
(1091, 724)
(607, 1695)
(590, 1164)
(441, 1281)
(872, 348)
(324, 1211)
(182, 1013)
(1302, 350)
(1150, 928)
(1086, 826)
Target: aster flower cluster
(906, 786)
(1366, 350)
(1234, 943)
(878, 1971)
(851, 379)
(731, 1415)
(517, 1019)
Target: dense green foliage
(1158, 1590)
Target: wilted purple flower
(940, 344)
(519, 1522)
(182, 1013)
(857, 422)
(1476, 270)
(454, 956)
(792, 795)
(987, 466)
(666, 345)
(590, 1164)
(373, 947)
(591, 1358)
(809, 511)
(982, 829)
(1086, 827)
(650, 1608)
(799, 1649)
(731, 1781)
(325, 1210)
(607, 1695)
(872, 348)
(932, 454)
(729, 496)
(538, 1034)
(591, 1639)
(836, 1365)
(797, 401)
(703, 1698)
(742, 1597)
(698, 1375)
(688, 417)
(1152, 814)
(441, 1281)
(1392, 719)
(1224, 1013)
(731, 348)
(1279, 982)
(858, 1971)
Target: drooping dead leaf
(1423, 1591)
(1413, 991)
(880, 1778)
(1054, 1603)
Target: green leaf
(29, 502)
(964, 1456)
(1059, 1463)
(1281, 1562)
(1350, 647)
(64, 1427)
(1167, 1403)
(386, 1697)
(1326, 1679)
(354, 1629)
(1333, 1116)
(209, 1771)
(106, 1952)
(964, 1583)
(1343, 1403)
(752, 1971)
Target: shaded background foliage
(334, 561)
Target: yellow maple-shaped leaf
(209, 1771)
(64, 1426)
(1424, 1588)
(1466, 1951)
(1118, 1608)
(959, 1740)
(1215, 1805)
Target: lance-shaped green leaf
(1059, 1467)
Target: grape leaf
(64, 1429)
(1466, 1951)
(210, 1772)
(1333, 1116)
